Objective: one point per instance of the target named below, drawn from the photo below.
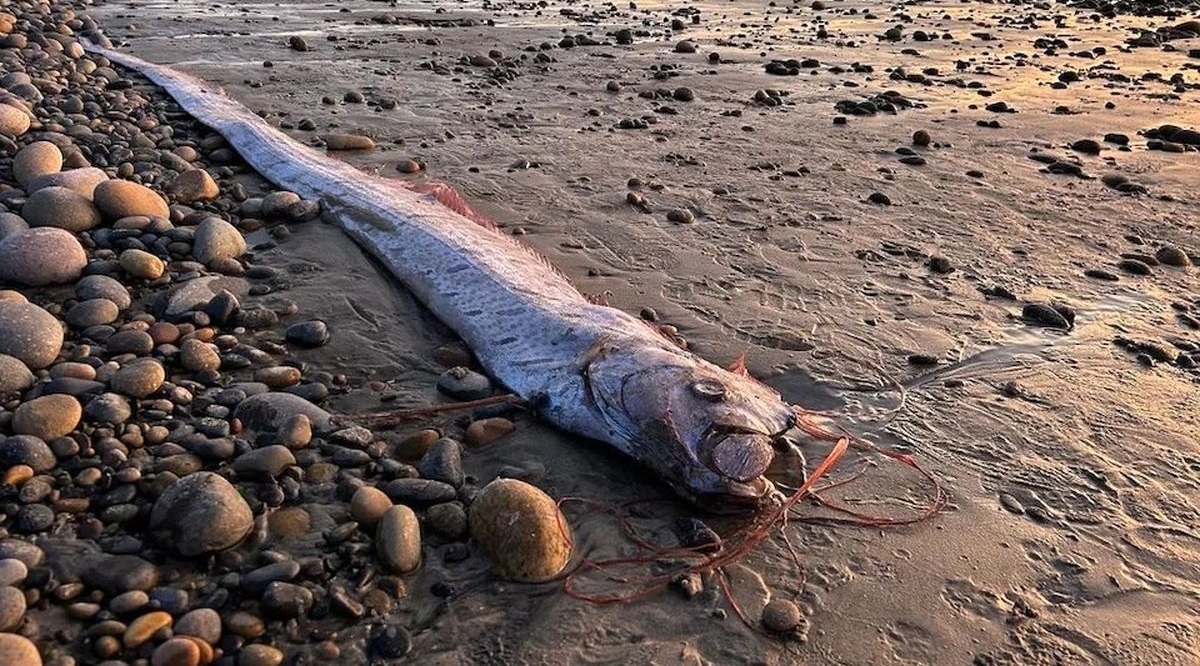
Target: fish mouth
(736, 497)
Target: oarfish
(587, 368)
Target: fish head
(708, 432)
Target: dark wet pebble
(1101, 274)
(419, 491)
(1041, 314)
(120, 573)
(1134, 266)
(389, 642)
(286, 600)
(443, 462)
(880, 198)
(313, 333)
(463, 383)
(694, 533)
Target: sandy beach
(960, 230)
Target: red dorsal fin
(450, 198)
(738, 366)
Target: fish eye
(709, 389)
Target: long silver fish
(589, 369)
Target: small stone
(257, 654)
(115, 574)
(141, 264)
(216, 239)
(1041, 314)
(310, 334)
(448, 520)
(83, 181)
(47, 417)
(278, 377)
(92, 312)
(921, 138)
(295, 432)
(287, 600)
(203, 623)
(141, 630)
(389, 642)
(108, 408)
(268, 411)
(27, 450)
(782, 616)
(12, 572)
(16, 649)
(138, 343)
(244, 625)
(102, 286)
(192, 186)
(13, 122)
(176, 652)
(339, 142)
(122, 198)
(14, 375)
(880, 198)
(129, 602)
(685, 46)
(443, 462)
(62, 208)
(398, 540)
(463, 383)
(522, 530)
(12, 609)
(941, 265)
(198, 356)
(297, 43)
(267, 461)
(201, 513)
(39, 158)
(1169, 255)
(486, 431)
(29, 333)
(419, 491)
(138, 379)
(368, 505)
(42, 256)
(1134, 266)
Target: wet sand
(1073, 468)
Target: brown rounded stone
(42, 256)
(369, 504)
(141, 630)
(486, 431)
(48, 417)
(138, 379)
(39, 158)
(522, 530)
(60, 207)
(122, 198)
(176, 652)
(142, 264)
(192, 186)
(18, 650)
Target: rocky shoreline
(173, 493)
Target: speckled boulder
(122, 198)
(83, 181)
(39, 158)
(60, 207)
(13, 121)
(42, 256)
(29, 333)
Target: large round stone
(42, 256)
(92, 312)
(12, 224)
(216, 239)
(83, 181)
(29, 333)
(13, 121)
(27, 450)
(39, 158)
(14, 375)
(16, 649)
(102, 286)
(122, 198)
(60, 207)
(522, 530)
(201, 513)
(48, 417)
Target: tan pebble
(398, 540)
(142, 264)
(349, 142)
(257, 654)
(415, 445)
(106, 646)
(245, 625)
(207, 654)
(74, 370)
(199, 356)
(163, 333)
(123, 198)
(176, 652)
(522, 530)
(143, 629)
(48, 417)
(369, 504)
(281, 376)
(191, 186)
(486, 431)
(16, 650)
(17, 474)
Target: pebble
(108, 408)
(41, 256)
(782, 616)
(11, 225)
(485, 431)
(83, 181)
(348, 142)
(14, 375)
(921, 138)
(122, 198)
(176, 652)
(1041, 314)
(314, 333)
(419, 491)
(192, 186)
(295, 432)
(142, 265)
(522, 530)
(268, 411)
(398, 540)
(203, 623)
(1134, 266)
(267, 461)
(12, 572)
(287, 600)
(443, 462)
(115, 574)
(448, 519)
(12, 608)
(138, 379)
(47, 417)
(1169, 255)
(462, 383)
(198, 356)
(29, 333)
(244, 625)
(278, 377)
(201, 513)
(129, 602)
(14, 649)
(102, 286)
(217, 239)
(389, 642)
(13, 121)
(142, 629)
(26, 450)
(62, 208)
(92, 312)
(39, 158)
(258, 654)
(368, 505)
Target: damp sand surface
(1073, 468)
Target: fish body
(587, 368)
